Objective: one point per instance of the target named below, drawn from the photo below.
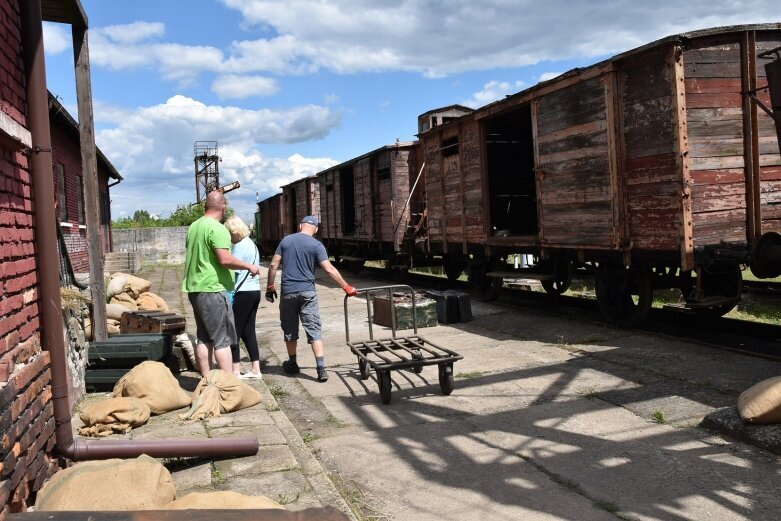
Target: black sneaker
(322, 375)
(290, 367)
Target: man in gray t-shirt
(300, 253)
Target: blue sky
(291, 88)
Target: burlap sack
(116, 285)
(761, 403)
(134, 285)
(150, 302)
(218, 393)
(114, 311)
(114, 484)
(118, 415)
(226, 499)
(126, 300)
(112, 327)
(153, 383)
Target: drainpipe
(49, 282)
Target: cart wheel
(417, 356)
(446, 380)
(384, 381)
(364, 367)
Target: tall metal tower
(207, 168)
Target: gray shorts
(303, 306)
(213, 319)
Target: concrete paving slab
(644, 469)
(265, 434)
(285, 487)
(421, 473)
(271, 458)
(192, 478)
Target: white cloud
(132, 33)
(236, 86)
(152, 147)
(56, 38)
(431, 38)
(492, 91)
(545, 76)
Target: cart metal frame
(403, 352)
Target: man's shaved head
(215, 200)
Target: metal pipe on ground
(49, 282)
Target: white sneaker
(251, 376)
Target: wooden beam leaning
(681, 147)
(90, 180)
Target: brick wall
(26, 424)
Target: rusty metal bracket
(36, 150)
(753, 95)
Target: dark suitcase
(452, 306)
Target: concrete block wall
(26, 424)
(155, 245)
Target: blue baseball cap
(310, 219)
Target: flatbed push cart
(398, 352)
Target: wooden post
(748, 72)
(90, 180)
(681, 148)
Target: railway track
(749, 338)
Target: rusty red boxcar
(655, 169)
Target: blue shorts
(301, 306)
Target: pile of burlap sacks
(128, 293)
(128, 485)
(151, 388)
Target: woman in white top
(246, 297)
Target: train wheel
(561, 281)
(720, 280)
(624, 296)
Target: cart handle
(369, 308)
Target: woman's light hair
(234, 224)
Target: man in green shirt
(207, 279)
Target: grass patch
(218, 478)
(592, 339)
(286, 499)
(356, 499)
(308, 437)
(658, 417)
(469, 374)
(277, 391)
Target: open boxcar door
(576, 166)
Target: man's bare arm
(227, 260)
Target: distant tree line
(184, 215)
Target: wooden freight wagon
(270, 224)
(654, 169)
(366, 206)
(300, 198)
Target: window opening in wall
(449, 146)
(329, 188)
(348, 199)
(62, 200)
(509, 150)
(383, 173)
(80, 200)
